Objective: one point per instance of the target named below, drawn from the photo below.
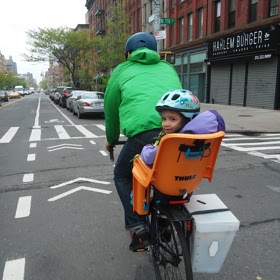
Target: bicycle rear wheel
(170, 249)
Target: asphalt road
(61, 218)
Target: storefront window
(273, 8)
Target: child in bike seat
(180, 113)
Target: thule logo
(185, 178)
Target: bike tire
(170, 249)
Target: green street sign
(167, 21)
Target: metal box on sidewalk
(213, 233)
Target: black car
(4, 96)
(64, 95)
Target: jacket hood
(205, 123)
(144, 56)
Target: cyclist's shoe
(164, 229)
(140, 241)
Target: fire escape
(100, 21)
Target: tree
(112, 44)
(68, 47)
(8, 80)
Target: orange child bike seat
(181, 162)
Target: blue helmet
(139, 40)
(180, 100)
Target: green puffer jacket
(133, 91)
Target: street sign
(167, 21)
(160, 35)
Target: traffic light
(168, 56)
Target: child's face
(171, 121)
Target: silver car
(70, 100)
(89, 102)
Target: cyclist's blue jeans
(123, 174)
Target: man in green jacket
(130, 98)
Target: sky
(19, 16)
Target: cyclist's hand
(107, 146)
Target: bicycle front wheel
(170, 249)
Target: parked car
(51, 95)
(4, 96)
(64, 95)
(69, 101)
(89, 102)
(56, 94)
(14, 94)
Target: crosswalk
(263, 145)
(57, 132)
(260, 145)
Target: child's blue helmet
(180, 100)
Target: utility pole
(157, 19)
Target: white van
(19, 89)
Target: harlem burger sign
(252, 42)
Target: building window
(231, 13)
(217, 16)
(172, 35)
(190, 27)
(151, 7)
(253, 10)
(172, 3)
(145, 19)
(200, 22)
(273, 8)
(181, 30)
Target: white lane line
(79, 179)
(31, 157)
(62, 134)
(78, 189)
(61, 113)
(61, 148)
(9, 135)
(92, 142)
(60, 145)
(101, 126)
(103, 153)
(251, 138)
(36, 122)
(35, 135)
(259, 154)
(23, 207)
(254, 143)
(28, 178)
(84, 131)
(33, 145)
(241, 149)
(14, 270)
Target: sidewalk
(246, 119)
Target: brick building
(227, 51)
(3, 66)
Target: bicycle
(162, 198)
